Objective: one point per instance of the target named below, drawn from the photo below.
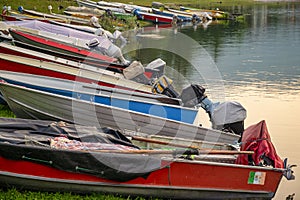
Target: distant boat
(154, 18)
(16, 16)
(69, 19)
(86, 29)
(92, 4)
(183, 17)
(127, 7)
(35, 15)
(214, 14)
(55, 45)
(83, 12)
(66, 40)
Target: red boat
(28, 51)
(15, 63)
(155, 18)
(10, 18)
(71, 52)
(54, 45)
(75, 163)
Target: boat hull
(54, 45)
(182, 17)
(81, 74)
(179, 180)
(157, 19)
(56, 57)
(138, 103)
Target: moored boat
(155, 18)
(66, 40)
(43, 55)
(138, 102)
(112, 69)
(93, 5)
(32, 158)
(16, 63)
(69, 19)
(44, 17)
(55, 45)
(36, 104)
(182, 16)
(214, 14)
(83, 12)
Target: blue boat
(142, 103)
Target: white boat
(92, 4)
(70, 36)
(127, 7)
(40, 67)
(11, 49)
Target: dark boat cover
(22, 139)
(257, 138)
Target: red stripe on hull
(58, 45)
(177, 174)
(157, 19)
(23, 68)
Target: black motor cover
(192, 95)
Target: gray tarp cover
(228, 112)
(43, 26)
(20, 138)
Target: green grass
(39, 5)
(5, 111)
(13, 194)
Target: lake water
(255, 60)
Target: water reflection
(261, 50)
(258, 61)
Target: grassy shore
(131, 23)
(41, 5)
(5, 111)
(13, 194)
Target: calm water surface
(255, 61)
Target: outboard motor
(106, 47)
(20, 9)
(192, 95)
(136, 72)
(94, 21)
(136, 13)
(163, 85)
(157, 67)
(195, 18)
(227, 116)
